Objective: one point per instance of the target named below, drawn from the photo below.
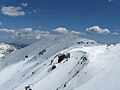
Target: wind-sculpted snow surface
(62, 62)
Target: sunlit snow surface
(91, 66)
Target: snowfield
(62, 62)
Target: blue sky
(74, 15)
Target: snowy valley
(62, 62)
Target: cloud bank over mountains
(31, 34)
(7, 30)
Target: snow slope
(106, 69)
(46, 65)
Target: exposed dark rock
(26, 56)
(63, 56)
(53, 67)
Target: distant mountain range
(6, 48)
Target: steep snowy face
(61, 62)
(6, 49)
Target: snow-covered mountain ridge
(62, 62)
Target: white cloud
(61, 30)
(114, 33)
(38, 34)
(111, 1)
(41, 32)
(26, 30)
(76, 32)
(24, 4)
(7, 30)
(29, 33)
(24, 33)
(12, 11)
(34, 11)
(97, 30)
(105, 31)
